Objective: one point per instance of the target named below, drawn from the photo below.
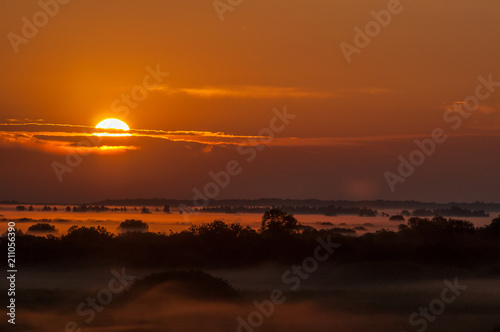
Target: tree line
(280, 239)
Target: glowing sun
(113, 124)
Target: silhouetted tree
(87, 232)
(437, 227)
(216, 230)
(277, 221)
(134, 225)
(42, 227)
(492, 230)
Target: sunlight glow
(113, 124)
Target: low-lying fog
(330, 300)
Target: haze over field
(380, 307)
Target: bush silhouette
(42, 228)
(277, 221)
(134, 225)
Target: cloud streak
(267, 92)
(67, 137)
(64, 138)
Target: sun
(114, 125)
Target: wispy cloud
(64, 138)
(67, 137)
(24, 120)
(352, 141)
(267, 92)
(457, 106)
(485, 118)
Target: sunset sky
(199, 92)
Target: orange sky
(225, 78)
